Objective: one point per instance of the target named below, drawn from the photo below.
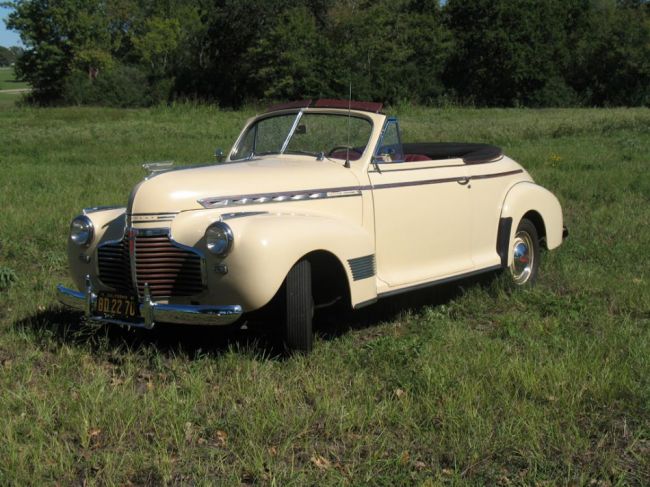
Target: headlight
(218, 238)
(81, 230)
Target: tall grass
(469, 384)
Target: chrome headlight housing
(219, 239)
(81, 230)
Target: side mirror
(219, 155)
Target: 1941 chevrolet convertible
(318, 202)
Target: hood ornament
(154, 168)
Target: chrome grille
(114, 266)
(169, 269)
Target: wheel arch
(329, 280)
(536, 219)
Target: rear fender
(527, 197)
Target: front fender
(267, 245)
(108, 225)
(524, 197)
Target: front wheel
(299, 335)
(525, 254)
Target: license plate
(118, 306)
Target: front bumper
(150, 312)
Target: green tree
(158, 43)
(508, 52)
(17, 51)
(389, 50)
(59, 36)
(611, 60)
(490, 52)
(290, 59)
(6, 56)
(430, 44)
(232, 28)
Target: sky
(8, 38)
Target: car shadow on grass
(330, 326)
(57, 325)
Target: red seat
(415, 157)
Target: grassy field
(469, 384)
(8, 82)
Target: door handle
(463, 181)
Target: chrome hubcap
(523, 258)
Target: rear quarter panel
(488, 187)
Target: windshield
(335, 136)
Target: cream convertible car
(317, 203)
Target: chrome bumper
(150, 312)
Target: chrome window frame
(253, 124)
(299, 114)
(376, 159)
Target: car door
(421, 214)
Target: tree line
(479, 52)
(9, 55)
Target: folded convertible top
(469, 152)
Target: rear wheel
(299, 335)
(525, 254)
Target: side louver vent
(362, 267)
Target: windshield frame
(298, 115)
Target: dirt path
(16, 91)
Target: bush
(554, 93)
(122, 86)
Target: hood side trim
(261, 198)
(340, 192)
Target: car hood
(182, 189)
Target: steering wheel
(343, 148)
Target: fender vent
(362, 267)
